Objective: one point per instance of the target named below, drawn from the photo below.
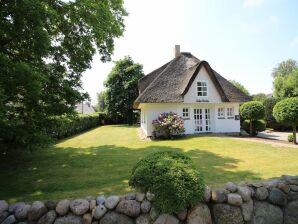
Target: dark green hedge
(63, 127)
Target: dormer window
(201, 88)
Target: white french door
(202, 120)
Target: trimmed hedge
(290, 137)
(257, 126)
(63, 127)
(172, 177)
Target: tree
(284, 68)
(45, 46)
(101, 101)
(252, 111)
(259, 97)
(122, 89)
(239, 86)
(286, 111)
(286, 86)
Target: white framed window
(202, 88)
(185, 113)
(230, 112)
(221, 113)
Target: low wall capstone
(272, 201)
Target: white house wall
(153, 110)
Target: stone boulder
(284, 187)
(291, 179)
(247, 209)
(154, 213)
(277, 197)
(227, 214)
(3, 206)
(199, 214)
(291, 213)
(37, 209)
(140, 197)
(22, 211)
(51, 205)
(207, 194)
(129, 207)
(130, 196)
(100, 200)
(261, 193)
(244, 192)
(145, 206)
(69, 219)
(48, 218)
(144, 219)
(234, 199)
(182, 215)
(12, 208)
(111, 202)
(99, 211)
(150, 196)
(231, 187)
(219, 196)
(264, 213)
(166, 219)
(62, 207)
(9, 220)
(3, 216)
(79, 206)
(87, 218)
(115, 218)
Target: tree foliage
(286, 111)
(239, 86)
(45, 46)
(259, 97)
(101, 101)
(285, 68)
(122, 89)
(252, 111)
(286, 86)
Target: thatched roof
(170, 82)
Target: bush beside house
(257, 126)
(252, 111)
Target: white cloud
(252, 3)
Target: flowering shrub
(168, 125)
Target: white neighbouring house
(206, 101)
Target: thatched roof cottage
(192, 89)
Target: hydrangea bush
(168, 125)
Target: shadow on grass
(76, 172)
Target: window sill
(221, 118)
(230, 117)
(186, 118)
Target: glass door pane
(198, 120)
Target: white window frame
(230, 112)
(202, 86)
(221, 113)
(185, 113)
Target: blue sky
(241, 39)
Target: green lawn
(100, 161)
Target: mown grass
(100, 162)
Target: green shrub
(290, 137)
(65, 126)
(171, 177)
(257, 126)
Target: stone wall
(267, 202)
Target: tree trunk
(294, 134)
(250, 128)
